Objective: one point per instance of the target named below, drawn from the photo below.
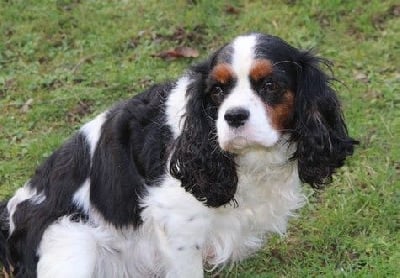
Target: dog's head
(253, 93)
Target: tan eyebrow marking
(222, 73)
(260, 69)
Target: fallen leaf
(395, 9)
(361, 77)
(178, 52)
(232, 10)
(27, 105)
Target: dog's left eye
(270, 85)
(217, 94)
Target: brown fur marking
(281, 114)
(261, 68)
(222, 73)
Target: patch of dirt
(67, 5)
(184, 36)
(145, 82)
(180, 36)
(326, 19)
(290, 2)
(355, 32)
(232, 10)
(8, 85)
(397, 167)
(9, 32)
(323, 20)
(276, 253)
(379, 21)
(52, 84)
(372, 95)
(81, 109)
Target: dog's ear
(116, 184)
(320, 132)
(197, 161)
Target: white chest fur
(267, 195)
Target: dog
(188, 175)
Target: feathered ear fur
(116, 184)
(203, 167)
(320, 131)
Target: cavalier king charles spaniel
(187, 175)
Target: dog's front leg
(181, 225)
(182, 250)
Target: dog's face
(252, 83)
(250, 94)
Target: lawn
(62, 62)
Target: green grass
(62, 62)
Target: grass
(64, 61)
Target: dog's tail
(4, 233)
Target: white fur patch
(67, 249)
(181, 224)
(81, 197)
(243, 55)
(22, 194)
(92, 131)
(176, 106)
(78, 249)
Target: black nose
(236, 116)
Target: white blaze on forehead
(242, 60)
(243, 55)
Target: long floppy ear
(321, 134)
(197, 161)
(115, 179)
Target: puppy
(188, 174)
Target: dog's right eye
(270, 86)
(217, 94)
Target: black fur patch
(58, 178)
(203, 167)
(131, 153)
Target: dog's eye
(217, 94)
(270, 85)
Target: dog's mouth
(235, 144)
(240, 144)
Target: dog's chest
(268, 193)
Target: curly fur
(203, 167)
(320, 132)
